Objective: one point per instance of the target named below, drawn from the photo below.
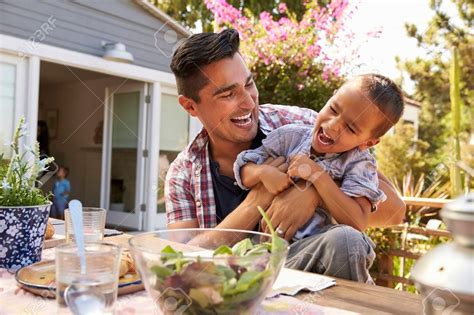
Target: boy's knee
(345, 240)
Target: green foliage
(401, 153)
(18, 177)
(455, 95)
(431, 72)
(283, 84)
(416, 216)
(193, 13)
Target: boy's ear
(188, 104)
(368, 144)
(334, 92)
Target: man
(216, 86)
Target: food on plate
(49, 231)
(127, 265)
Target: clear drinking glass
(93, 224)
(99, 280)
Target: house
(411, 114)
(97, 72)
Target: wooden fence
(385, 275)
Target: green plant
(388, 239)
(19, 175)
(455, 94)
(400, 153)
(436, 188)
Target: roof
(153, 10)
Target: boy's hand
(275, 180)
(303, 167)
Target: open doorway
(72, 106)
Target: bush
(297, 59)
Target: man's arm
(392, 210)
(245, 216)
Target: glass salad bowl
(208, 271)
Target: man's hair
(387, 96)
(198, 51)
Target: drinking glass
(98, 282)
(93, 224)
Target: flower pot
(22, 232)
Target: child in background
(335, 149)
(61, 191)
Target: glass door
(174, 136)
(12, 98)
(123, 162)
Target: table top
(345, 295)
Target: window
(174, 136)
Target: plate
(40, 279)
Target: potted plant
(24, 208)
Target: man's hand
(274, 180)
(291, 209)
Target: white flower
(3, 225)
(12, 230)
(5, 185)
(38, 241)
(3, 252)
(10, 217)
(27, 148)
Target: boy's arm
(252, 175)
(271, 177)
(353, 211)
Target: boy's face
(61, 173)
(347, 121)
(228, 108)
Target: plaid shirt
(189, 193)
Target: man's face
(346, 121)
(228, 106)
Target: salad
(228, 280)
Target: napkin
(291, 281)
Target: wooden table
(353, 296)
(365, 299)
(345, 295)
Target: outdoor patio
(107, 135)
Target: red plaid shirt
(189, 193)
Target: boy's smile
(347, 121)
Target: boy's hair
(387, 96)
(66, 170)
(198, 51)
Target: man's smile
(243, 120)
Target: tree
(299, 61)
(399, 154)
(431, 73)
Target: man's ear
(369, 143)
(188, 104)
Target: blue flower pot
(22, 232)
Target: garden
(300, 52)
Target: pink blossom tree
(294, 61)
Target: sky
(378, 55)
